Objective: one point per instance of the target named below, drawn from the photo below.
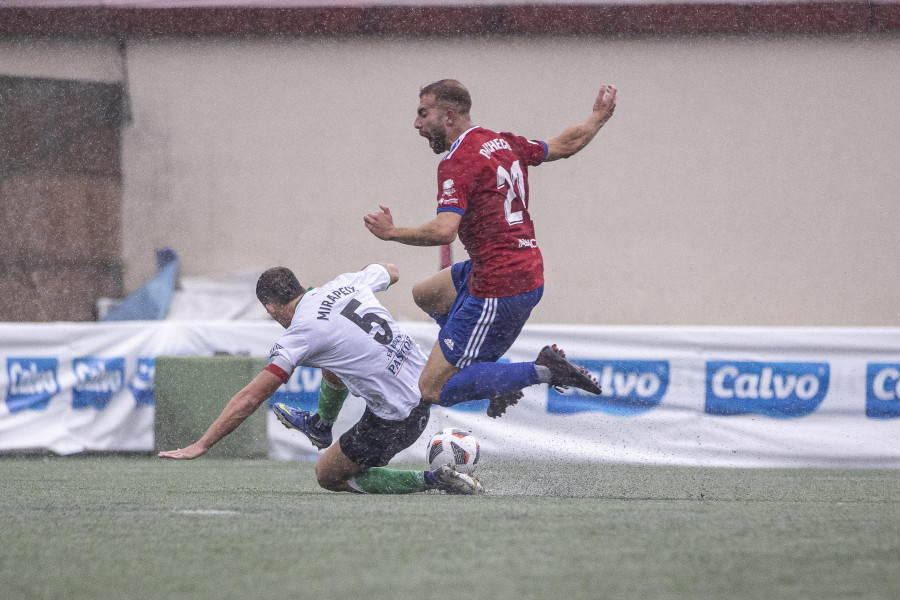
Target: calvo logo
(32, 382)
(142, 383)
(774, 389)
(630, 387)
(883, 390)
(97, 380)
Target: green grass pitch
(143, 528)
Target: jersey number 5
(514, 182)
(367, 321)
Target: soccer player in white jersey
(342, 329)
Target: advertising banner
(710, 396)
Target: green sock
(381, 480)
(330, 402)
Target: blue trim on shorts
(482, 329)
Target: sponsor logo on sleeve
(630, 387)
(448, 194)
(883, 390)
(97, 380)
(141, 385)
(781, 390)
(32, 382)
(301, 391)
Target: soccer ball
(455, 447)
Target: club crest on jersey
(448, 187)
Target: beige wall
(744, 182)
(90, 60)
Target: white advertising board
(710, 396)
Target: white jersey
(341, 327)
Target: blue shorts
(482, 329)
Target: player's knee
(423, 297)
(435, 296)
(326, 479)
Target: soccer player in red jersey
(483, 303)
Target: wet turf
(142, 528)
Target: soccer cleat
(563, 373)
(498, 405)
(294, 418)
(453, 482)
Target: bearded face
(437, 138)
(430, 123)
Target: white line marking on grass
(201, 511)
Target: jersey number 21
(514, 182)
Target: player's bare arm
(442, 230)
(241, 406)
(576, 137)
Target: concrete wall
(741, 181)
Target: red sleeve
(452, 184)
(533, 152)
(278, 372)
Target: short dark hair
(278, 285)
(450, 91)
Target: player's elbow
(444, 228)
(441, 236)
(445, 237)
(393, 272)
(564, 149)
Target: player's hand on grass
(380, 223)
(192, 451)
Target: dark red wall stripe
(626, 19)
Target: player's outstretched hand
(380, 223)
(192, 451)
(605, 103)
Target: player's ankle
(431, 482)
(544, 373)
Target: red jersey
(484, 178)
